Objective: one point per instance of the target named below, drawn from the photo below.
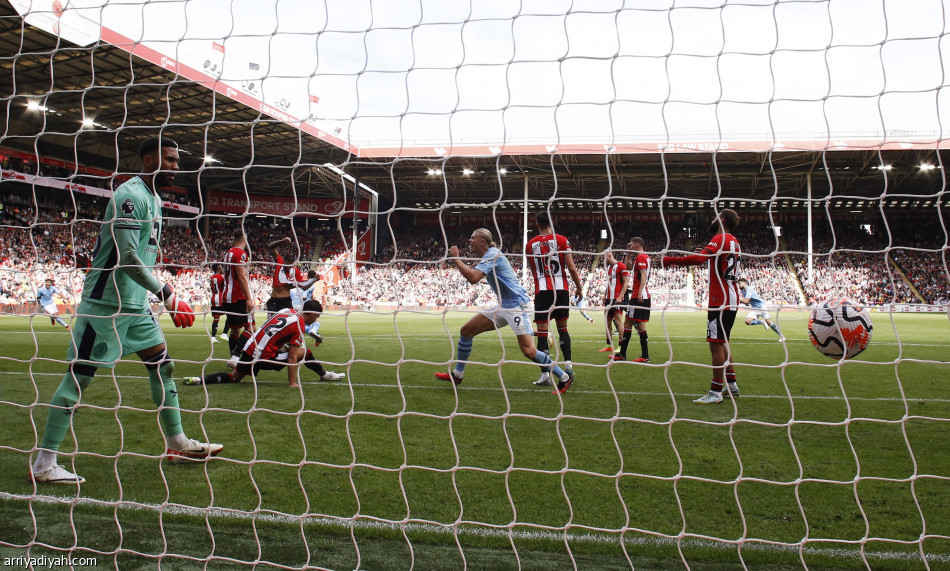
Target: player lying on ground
(114, 318)
(279, 343)
(514, 308)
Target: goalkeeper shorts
(101, 335)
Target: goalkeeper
(114, 318)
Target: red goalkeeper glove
(181, 312)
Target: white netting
(377, 135)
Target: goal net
(366, 141)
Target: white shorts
(51, 309)
(758, 314)
(518, 318)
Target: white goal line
(472, 529)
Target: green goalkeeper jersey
(126, 250)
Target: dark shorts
(613, 307)
(719, 325)
(640, 310)
(237, 314)
(248, 365)
(276, 304)
(551, 304)
(216, 311)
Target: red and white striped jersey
(641, 264)
(285, 328)
(217, 289)
(232, 290)
(287, 275)
(723, 270)
(615, 276)
(546, 255)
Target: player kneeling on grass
(114, 318)
(514, 308)
(279, 343)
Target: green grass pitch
(817, 464)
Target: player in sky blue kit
(758, 315)
(514, 309)
(300, 296)
(44, 296)
(115, 319)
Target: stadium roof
(128, 98)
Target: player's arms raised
(312, 278)
(272, 247)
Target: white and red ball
(840, 328)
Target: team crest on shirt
(128, 207)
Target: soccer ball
(840, 328)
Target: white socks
(178, 442)
(44, 459)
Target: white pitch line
(593, 339)
(574, 389)
(470, 530)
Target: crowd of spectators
(928, 272)
(51, 239)
(851, 261)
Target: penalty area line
(574, 390)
